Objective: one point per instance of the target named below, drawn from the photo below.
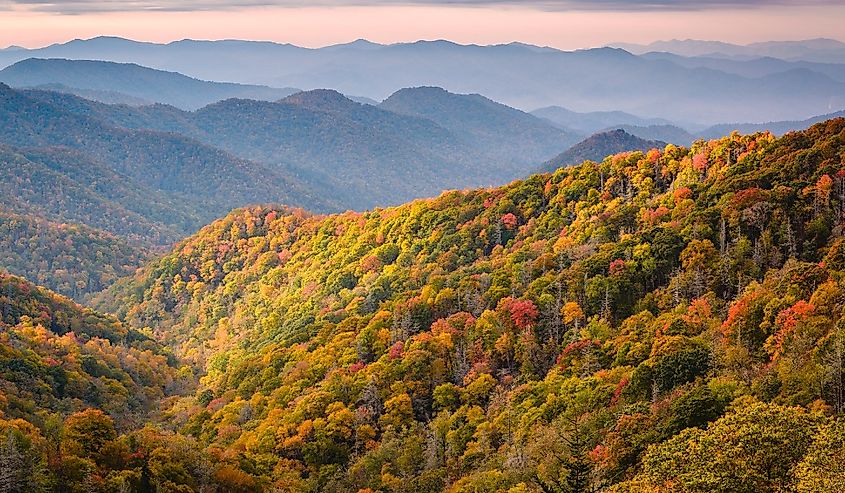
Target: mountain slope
(342, 145)
(82, 201)
(76, 388)
(133, 80)
(66, 185)
(600, 145)
(570, 331)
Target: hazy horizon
(564, 25)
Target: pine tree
(11, 465)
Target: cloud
(92, 6)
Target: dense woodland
(664, 321)
(72, 260)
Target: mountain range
(322, 140)
(519, 75)
(90, 189)
(200, 177)
(754, 67)
(141, 176)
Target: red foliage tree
(523, 313)
(509, 220)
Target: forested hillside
(59, 357)
(69, 186)
(661, 321)
(82, 200)
(147, 177)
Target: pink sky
(319, 26)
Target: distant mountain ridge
(777, 128)
(590, 122)
(675, 134)
(146, 84)
(753, 67)
(822, 50)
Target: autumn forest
(285, 291)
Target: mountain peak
(320, 99)
(360, 43)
